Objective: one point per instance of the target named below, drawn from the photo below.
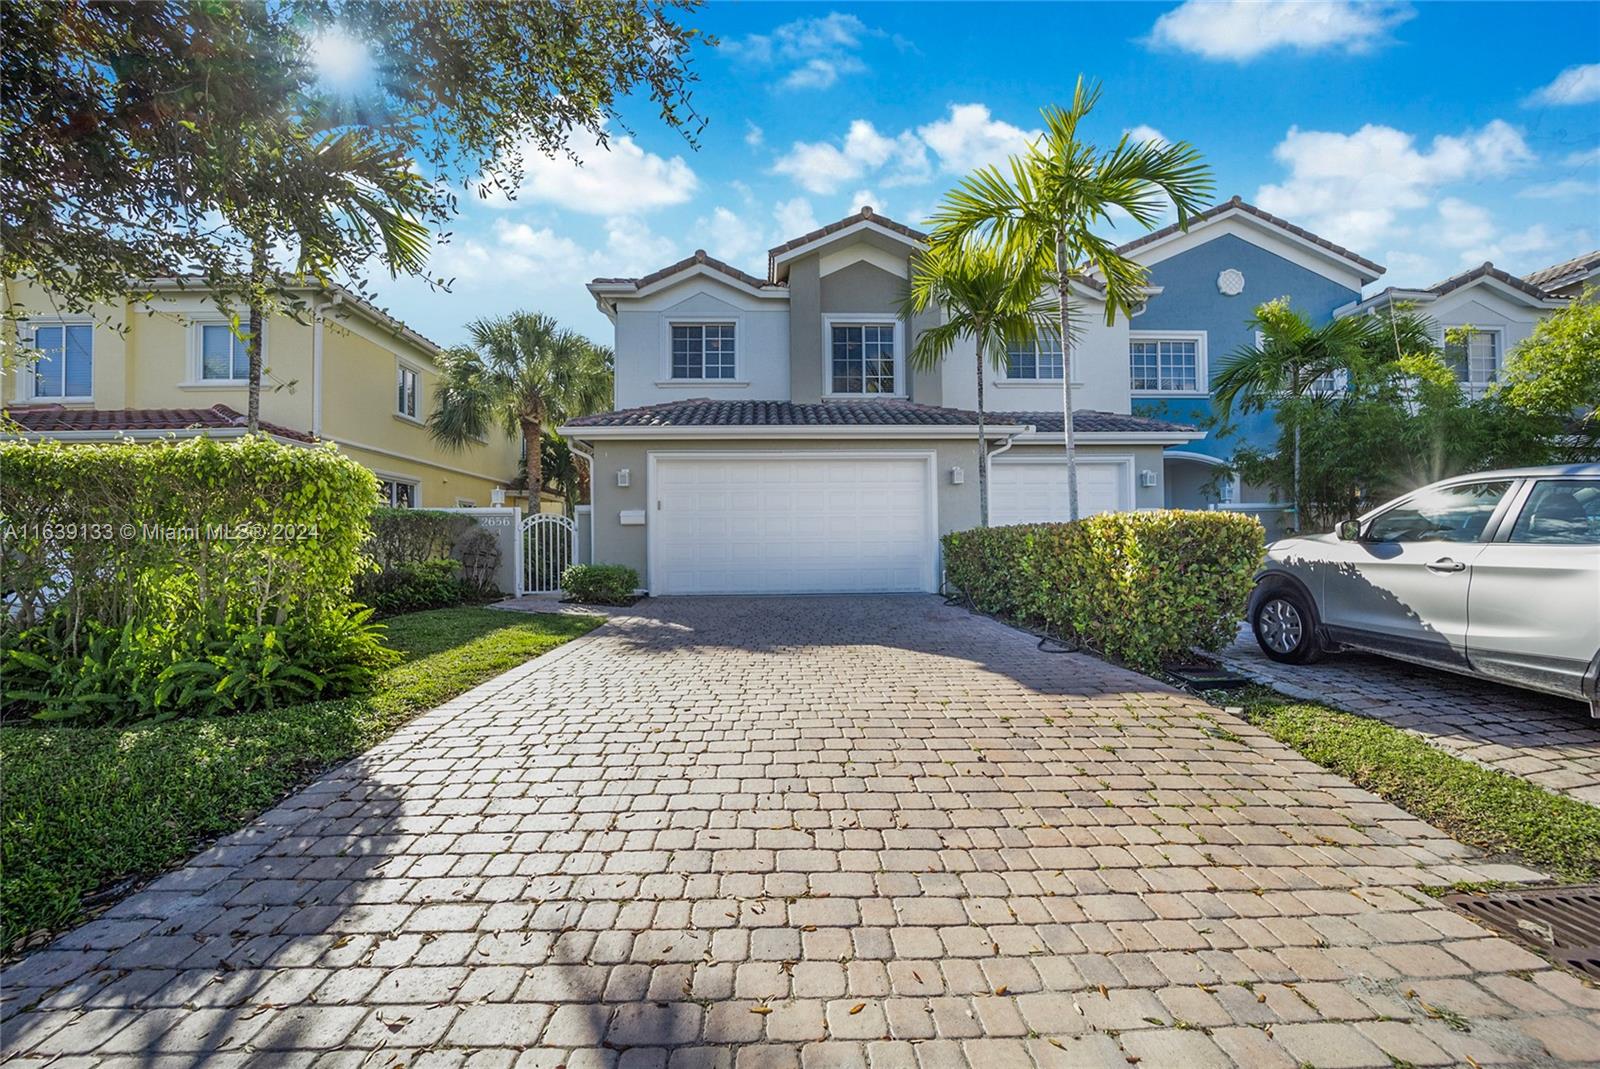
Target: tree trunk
(1063, 310)
(983, 451)
(258, 275)
(1294, 392)
(533, 437)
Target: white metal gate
(548, 544)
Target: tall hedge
(169, 577)
(1143, 587)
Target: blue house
(1211, 277)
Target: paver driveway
(824, 831)
(1553, 742)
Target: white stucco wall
(1099, 380)
(761, 342)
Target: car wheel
(1286, 627)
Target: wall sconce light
(623, 477)
(497, 497)
(957, 476)
(1147, 478)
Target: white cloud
(1352, 187)
(618, 178)
(729, 236)
(1565, 189)
(825, 167)
(1585, 158)
(865, 198)
(970, 137)
(522, 251)
(1463, 225)
(1147, 133)
(753, 134)
(1575, 85)
(817, 52)
(795, 217)
(1240, 30)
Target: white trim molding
(1202, 369)
(865, 319)
(402, 364)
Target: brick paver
(809, 832)
(1546, 740)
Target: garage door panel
(1036, 492)
(793, 524)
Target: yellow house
(147, 368)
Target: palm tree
(523, 372)
(1293, 362)
(981, 299)
(1042, 218)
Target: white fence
(549, 545)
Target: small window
(863, 358)
(223, 354)
(1560, 512)
(406, 392)
(465, 503)
(1035, 359)
(1474, 355)
(397, 494)
(1164, 364)
(1449, 514)
(702, 350)
(65, 365)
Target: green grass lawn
(86, 810)
(1495, 811)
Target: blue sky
(1430, 137)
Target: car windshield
(1446, 514)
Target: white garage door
(1028, 491)
(790, 524)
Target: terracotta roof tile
(1487, 270)
(1573, 270)
(700, 257)
(1268, 217)
(50, 419)
(704, 412)
(863, 215)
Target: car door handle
(1445, 564)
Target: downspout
(316, 369)
(594, 490)
(988, 460)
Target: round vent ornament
(1231, 282)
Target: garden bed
(87, 813)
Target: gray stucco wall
(1191, 301)
(805, 331)
(957, 506)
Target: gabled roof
(1237, 205)
(56, 419)
(865, 216)
(1487, 270)
(701, 412)
(700, 259)
(1559, 276)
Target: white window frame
(1202, 370)
(196, 353)
(27, 379)
(1006, 376)
(1472, 389)
(400, 480)
(399, 413)
(865, 319)
(668, 322)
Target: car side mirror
(1350, 531)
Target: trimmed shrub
(411, 586)
(600, 584)
(1143, 587)
(415, 536)
(153, 580)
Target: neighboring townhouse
(1211, 277)
(1568, 280)
(1481, 316)
(769, 436)
(172, 366)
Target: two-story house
(171, 364)
(770, 437)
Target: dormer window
(702, 351)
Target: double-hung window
(64, 369)
(224, 356)
(406, 389)
(1035, 359)
(862, 358)
(702, 351)
(1475, 356)
(1164, 365)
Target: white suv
(1495, 575)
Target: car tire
(1285, 626)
